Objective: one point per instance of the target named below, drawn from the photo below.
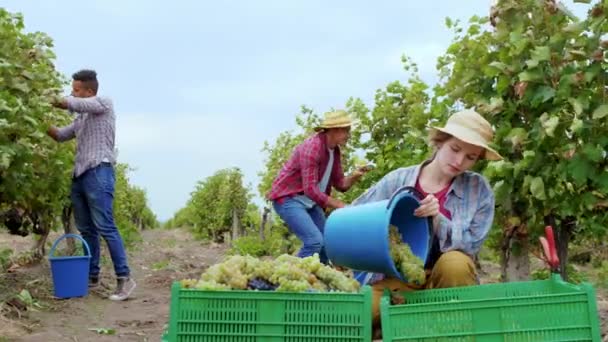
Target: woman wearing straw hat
(460, 202)
(301, 191)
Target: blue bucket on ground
(70, 273)
(357, 236)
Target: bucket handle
(408, 188)
(73, 236)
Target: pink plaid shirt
(302, 172)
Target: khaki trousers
(453, 269)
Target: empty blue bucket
(357, 236)
(70, 273)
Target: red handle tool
(549, 249)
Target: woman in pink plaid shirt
(301, 191)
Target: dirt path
(163, 256)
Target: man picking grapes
(93, 178)
(301, 191)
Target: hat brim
(490, 153)
(343, 125)
(320, 128)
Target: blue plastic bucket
(70, 273)
(357, 236)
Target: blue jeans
(92, 198)
(307, 224)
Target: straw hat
(472, 128)
(335, 119)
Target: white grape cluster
(287, 272)
(408, 264)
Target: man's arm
(347, 182)
(62, 134)
(91, 105)
(342, 183)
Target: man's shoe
(93, 283)
(124, 288)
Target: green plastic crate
(267, 316)
(534, 311)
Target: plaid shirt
(94, 130)
(470, 201)
(302, 172)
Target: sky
(199, 86)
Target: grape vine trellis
(35, 172)
(539, 75)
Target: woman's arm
(384, 188)
(467, 236)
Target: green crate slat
(533, 311)
(266, 316)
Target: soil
(161, 258)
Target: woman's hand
(429, 206)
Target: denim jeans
(307, 224)
(92, 197)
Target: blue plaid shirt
(94, 130)
(470, 200)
